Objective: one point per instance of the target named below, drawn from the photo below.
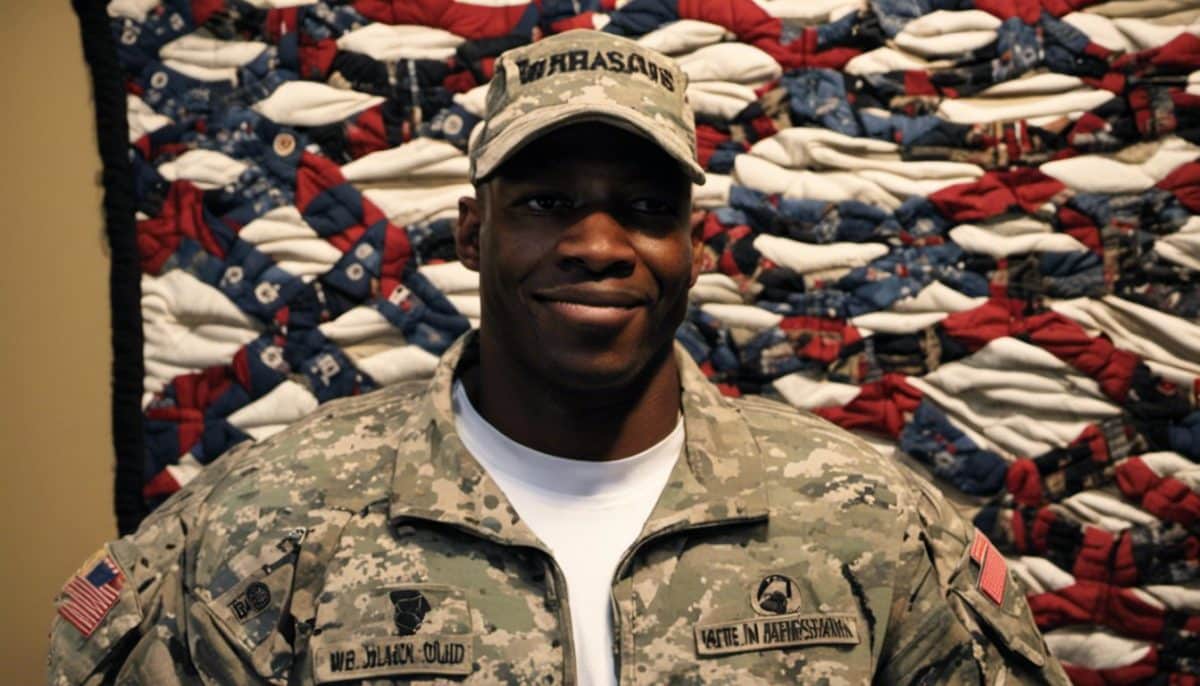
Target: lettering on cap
(613, 61)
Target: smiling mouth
(592, 308)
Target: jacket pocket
(394, 630)
(247, 602)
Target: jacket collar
(717, 479)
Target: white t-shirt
(587, 513)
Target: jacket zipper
(627, 558)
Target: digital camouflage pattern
(584, 76)
(365, 545)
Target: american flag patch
(90, 594)
(993, 569)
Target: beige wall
(54, 351)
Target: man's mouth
(592, 306)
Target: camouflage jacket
(366, 545)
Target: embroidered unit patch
(91, 595)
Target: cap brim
(519, 134)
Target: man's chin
(590, 371)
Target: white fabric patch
(943, 45)
(200, 73)
(719, 98)
(685, 35)
(807, 394)
(188, 326)
(767, 177)
(716, 288)
(1033, 84)
(810, 12)
(308, 103)
(713, 194)
(398, 364)
(142, 120)
(974, 239)
(419, 158)
(806, 257)
(211, 53)
(735, 62)
(280, 223)
(883, 60)
(943, 22)
(984, 110)
(357, 324)
(451, 277)
(390, 43)
(404, 206)
(743, 316)
(207, 169)
(286, 403)
(1095, 648)
(131, 9)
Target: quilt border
(124, 277)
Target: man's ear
(697, 244)
(466, 232)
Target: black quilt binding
(124, 277)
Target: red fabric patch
(316, 58)
(182, 214)
(1184, 183)
(979, 547)
(459, 82)
(579, 21)
(745, 18)
(163, 484)
(366, 132)
(993, 569)
(202, 10)
(469, 20)
(884, 406)
(1024, 482)
(315, 175)
(918, 83)
(280, 22)
(397, 252)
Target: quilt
(967, 230)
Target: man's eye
(653, 206)
(547, 203)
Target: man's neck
(595, 426)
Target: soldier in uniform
(568, 500)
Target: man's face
(584, 250)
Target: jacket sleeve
(140, 635)
(93, 639)
(957, 615)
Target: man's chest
(423, 603)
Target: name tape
(783, 631)
(423, 654)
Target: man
(568, 500)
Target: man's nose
(598, 243)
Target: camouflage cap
(581, 76)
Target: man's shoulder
(808, 461)
(341, 455)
